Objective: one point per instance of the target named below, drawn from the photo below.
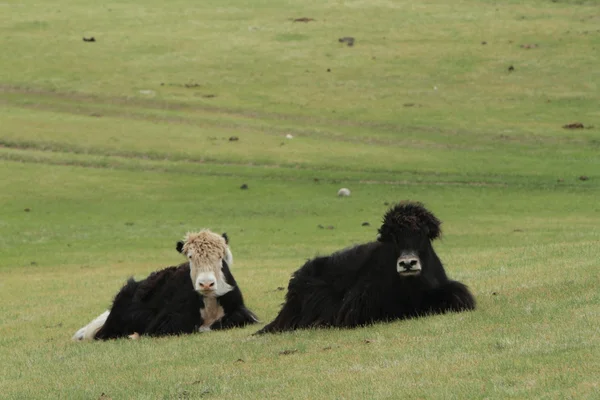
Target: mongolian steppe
(111, 150)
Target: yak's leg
(89, 331)
(451, 296)
(238, 318)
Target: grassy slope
(112, 177)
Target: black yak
(198, 295)
(398, 276)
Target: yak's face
(411, 250)
(409, 227)
(207, 252)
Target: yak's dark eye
(190, 256)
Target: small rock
(244, 187)
(365, 224)
(90, 39)
(320, 226)
(343, 192)
(303, 19)
(484, 42)
(494, 293)
(349, 40)
(239, 360)
(27, 209)
(574, 125)
(233, 138)
(328, 69)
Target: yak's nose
(206, 284)
(409, 263)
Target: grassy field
(110, 151)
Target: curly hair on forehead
(205, 244)
(411, 216)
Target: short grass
(110, 151)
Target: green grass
(111, 151)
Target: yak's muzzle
(408, 264)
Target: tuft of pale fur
(207, 247)
(89, 331)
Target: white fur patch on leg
(89, 331)
(211, 313)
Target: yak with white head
(198, 295)
(208, 254)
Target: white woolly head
(206, 252)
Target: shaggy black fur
(165, 303)
(362, 285)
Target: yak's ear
(225, 237)
(179, 246)
(431, 224)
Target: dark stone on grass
(90, 39)
(27, 209)
(239, 360)
(320, 226)
(303, 19)
(365, 224)
(484, 42)
(574, 125)
(244, 187)
(328, 69)
(349, 40)
(234, 139)
(209, 96)
(494, 293)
